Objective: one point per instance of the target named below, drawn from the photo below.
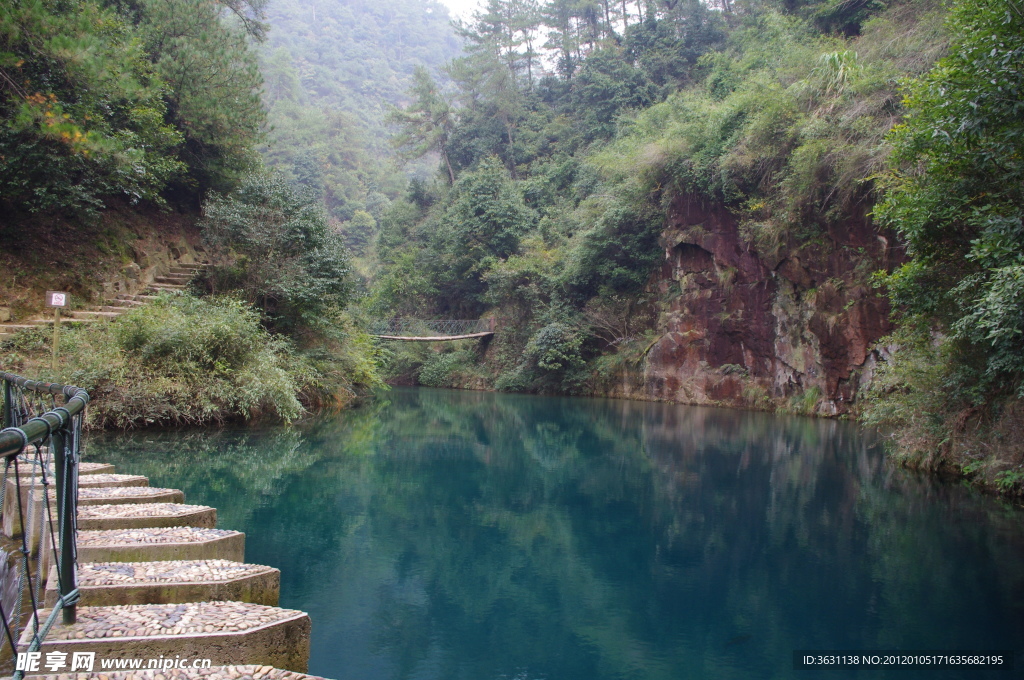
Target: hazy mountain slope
(332, 68)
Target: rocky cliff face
(743, 327)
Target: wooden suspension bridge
(434, 330)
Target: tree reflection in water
(442, 534)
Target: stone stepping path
(224, 632)
(170, 543)
(101, 497)
(218, 673)
(110, 583)
(157, 579)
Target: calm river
(458, 535)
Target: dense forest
(331, 70)
(811, 206)
(118, 120)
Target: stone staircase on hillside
(157, 579)
(176, 280)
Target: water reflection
(438, 534)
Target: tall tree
(562, 38)
(427, 123)
(214, 82)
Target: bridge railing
(428, 327)
(40, 447)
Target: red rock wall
(743, 328)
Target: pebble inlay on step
(139, 515)
(117, 583)
(26, 469)
(117, 573)
(224, 632)
(145, 536)
(148, 620)
(101, 480)
(168, 543)
(105, 496)
(219, 673)
(96, 481)
(128, 494)
(89, 516)
(11, 521)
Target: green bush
(273, 243)
(555, 348)
(441, 369)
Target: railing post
(8, 409)
(67, 499)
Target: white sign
(56, 298)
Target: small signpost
(56, 299)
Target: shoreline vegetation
(185, 360)
(809, 206)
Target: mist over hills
(331, 69)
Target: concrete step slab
(26, 324)
(23, 325)
(175, 581)
(161, 544)
(27, 469)
(123, 495)
(116, 495)
(224, 632)
(213, 673)
(145, 515)
(31, 490)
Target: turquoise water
(440, 534)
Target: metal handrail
(58, 428)
(11, 443)
(442, 327)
